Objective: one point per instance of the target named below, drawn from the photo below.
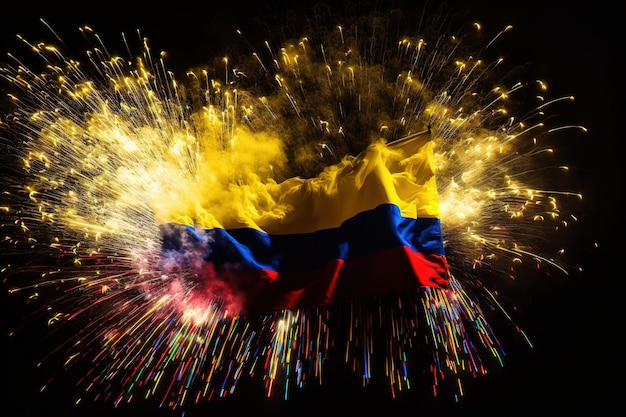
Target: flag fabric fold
(366, 226)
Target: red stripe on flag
(386, 271)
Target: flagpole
(411, 137)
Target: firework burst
(100, 148)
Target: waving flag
(366, 226)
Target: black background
(575, 366)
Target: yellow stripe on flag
(400, 173)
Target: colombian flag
(366, 226)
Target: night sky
(572, 320)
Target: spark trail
(99, 149)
